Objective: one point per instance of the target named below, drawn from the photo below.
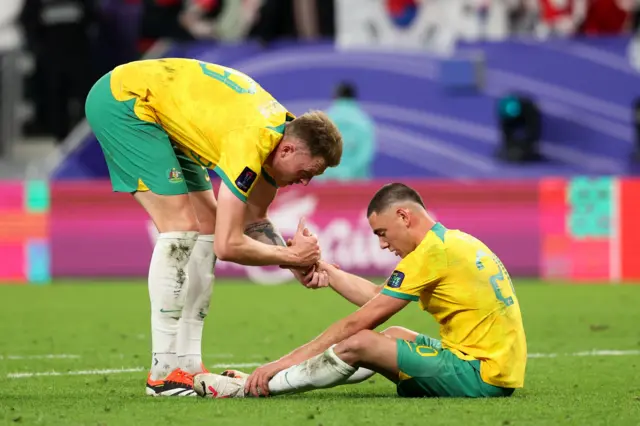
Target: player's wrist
(291, 258)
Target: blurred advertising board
(95, 233)
(579, 229)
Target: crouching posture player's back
(161, 124)
(455, 277)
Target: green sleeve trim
(439, 230)
(230, 184)
(268, 178)
(279, 129)
(399, 295)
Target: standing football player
(482, 351)
(161, 124)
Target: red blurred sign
(96, 233)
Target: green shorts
(139, 154)
(427, 370)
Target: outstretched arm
(355, 289)
(375, 312)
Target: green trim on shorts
(230, 184)
(399, 295)
(428, 370)
(138, 153)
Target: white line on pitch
(74, 373)
(594, 352)
(226, 356)
(239, 365)
(75, 356)
(44, 356)
(111, 371)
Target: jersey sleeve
(415, 273)
(240, 164)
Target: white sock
(196, 307)
(359, 376)
(167, 290)
(322, 371)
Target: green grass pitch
(88, 334)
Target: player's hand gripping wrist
(304, 247)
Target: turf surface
(89, 333)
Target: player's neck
(268, 163)
(422, 227)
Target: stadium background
(435, 103)
(436, 76)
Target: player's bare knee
(392, 331)
(205, 208)
(356, 343)
(187, 223)
(183, 219)
(206, 227)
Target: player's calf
(200, 271)
(167, 292)
(198, 298)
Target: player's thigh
(428, 370)
(139, 154)
(170, 213)
(396, 332)
(417, 361)
(205, 207)
(200, 192)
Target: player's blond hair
(319, 134)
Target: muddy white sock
(167, 285)
(196, 307)
(322, 371)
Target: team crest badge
(395, 280)
(246, 179)
(175, 176)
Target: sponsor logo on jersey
(395, 280)
(246, 179)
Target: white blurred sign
(432, 25)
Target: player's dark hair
(390, 194)
(319, 134)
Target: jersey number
(225, 78)
(496, 279)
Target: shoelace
(182, 377)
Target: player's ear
(293, 145)
(403, 214)
(286, 148)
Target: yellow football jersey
(459, 281)
(218, 116)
